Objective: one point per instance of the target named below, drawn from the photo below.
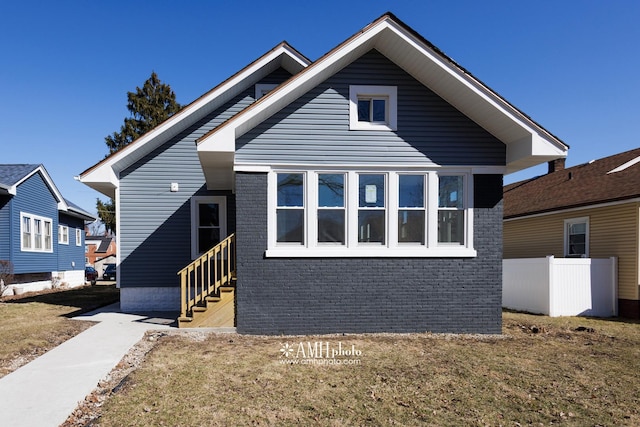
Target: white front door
(208, 223)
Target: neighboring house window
(63, 234)
(264, 88)
(48, 236)
(35, 233)
(576, 237)
(209, 225)
(373, 107)
(78, 237)
(368, 213)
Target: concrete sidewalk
(45, 391)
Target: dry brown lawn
(32, 324)
(541, 371)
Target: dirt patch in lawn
(541, 371)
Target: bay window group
(369, 213)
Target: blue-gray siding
(71, 256)
(155, 224)
(33, 196)
(5, 236)
(329, 295)
(315, 128)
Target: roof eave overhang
(76, 213)
(527, 143)
(103, 177)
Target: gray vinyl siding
(315, 128)
(33, 196)
(155, 224)
(5, 208)
(354, 295)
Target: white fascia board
(103, 179)
(56, 193)
(474, 170)
(104, 175)
(284, 95)
(522, 136)
(532, 151)
(479, 89)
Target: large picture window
(370, 213)
(35, 233)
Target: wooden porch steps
(217, 311)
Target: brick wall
(328, 295)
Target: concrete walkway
(46, 391)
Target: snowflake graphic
(286, 350)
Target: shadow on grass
(610, 319)
(85, 299)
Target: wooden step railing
(204, 276)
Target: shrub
(6, 275)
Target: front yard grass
(35, 323)
(541, 371)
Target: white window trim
(78, 237)
(195, 201)
(32, 237)
(571, 221)
(352, 248)
(388, 92)
(263, 88)
(62, 235)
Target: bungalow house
(361, 192)
(41, 233)
(588, 210)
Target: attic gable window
(373, 107)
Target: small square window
(373, 107)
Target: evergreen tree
(149, 106)
(107, 214)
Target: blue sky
(66, 66)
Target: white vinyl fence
(561, 286)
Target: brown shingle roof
(582, 185)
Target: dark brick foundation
(329, 295)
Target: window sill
(334, 252)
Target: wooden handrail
(204, 276)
